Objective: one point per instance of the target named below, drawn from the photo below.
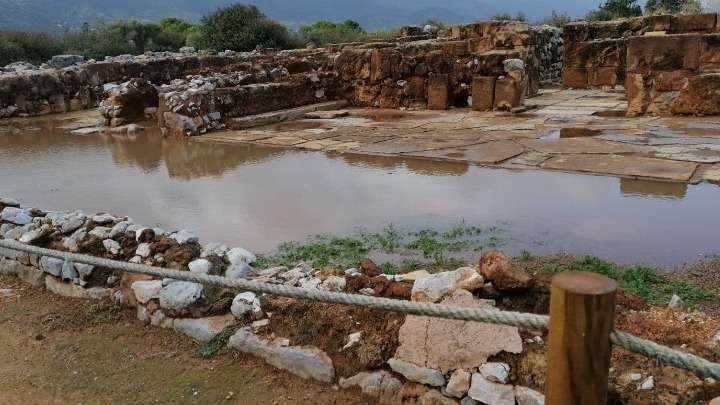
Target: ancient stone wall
(550, 43)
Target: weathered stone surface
(203, 329)
(483, 93)
(491, 392)
(146, 290)
(242, 304)
(434, 397)
(238, 254)
(504, 274)
(69, 272)
(239, 270)
(667, 52)
(497, 372)
(186, 236)
(526, 396)
(700, 96)
(435, 287)
(217, 249)
(303, 362)
(575, 78)
(22, 257)
(413, 372)
(201, 266)
(632, 166)
(111, 246)
(424, 341)
(459, 383)
(59, 287)
(18, 216)
(379, 385)
(51, 265)
(509, 93)
(438, 92)
(682, 23)
(180, 295)
(67, 222)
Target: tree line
(242, 27)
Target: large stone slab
(305, 362)
(203, 329)
(619, 165)
(702, 153)
(403, 145)
(424, 341)
(577, 145)
(487, 153)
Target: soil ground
(58, 350)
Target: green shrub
(33, 47)
(242, 27)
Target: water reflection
(420, 166)
(637, 187)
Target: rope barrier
(527, 321)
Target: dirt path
(58, 350)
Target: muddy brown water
(258, 197)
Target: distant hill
(59, 15)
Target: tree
(556, 20)
(613, 9)
(327, 32)
(175, 24)
(241, 27)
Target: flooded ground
(257, 197)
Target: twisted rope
(527, 321)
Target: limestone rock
(180, 295)
(186, 236)
(242, 304)
(67, 222)
(102, 219)
(217, 249)
(491, 392)
(51, 265)
(497, 372)
(55, 285)
(146, 290)
(112, 246)
(468, 401)
(414, 275)
(303, 362)
(201, 266)
(203, 329)
(143, 250)
(435, 287)
(119, 228)
(459, 383)
(526, 396)
(239, 270)
(379, 385)
(101, 232)
(18, 216)
(334, 283)
(69, 271)
(425, 341)
(503, 273)
(238, 254)
(416, 373)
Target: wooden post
(582, 313)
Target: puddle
(571, 133)
(611, 113)
(258, 197)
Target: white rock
(261, 323)
(353, 338)
(143, 250)
(491, 392)
(334, 283)
(103, 219)
(459, 383)
(238, 254)
(133, 230)
(203, 329)
(310, 283)
(146, 290)
(119, 228)
(9, 202)
(273, 271)
(242, 304)
(497, 372)
(101, 232)
(186, 236)
(51, 265)
(111, 246)
(158, 318)
(413, 372)
(180, 295)
(303, 362)
(435, 287)
(69, 272)
(200, 266)
(676, 302)
(143, 314)
(379, 385)
(18, 216)
(526, 396)
(239, 270)
(30, 236)
(648, 384)
(635, 377)
(217, 249)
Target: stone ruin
(666, 65)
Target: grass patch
(427, 248)
(646, 281)
(212, 346)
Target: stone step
(273, 117)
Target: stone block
(710, 52)
(415, 88)
(480, 45)
(693, 22)
(701, 96)
(511, 39)
(483, 93)
(603, 76)
(668, 52)
(384, 63)
(455, 48)
(638, 94)
(575, 32)
(576, 78)
(610, 52)
(438, 92)
(509, 93)
(659, 22)
(670, 80)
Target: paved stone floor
(567, 130)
